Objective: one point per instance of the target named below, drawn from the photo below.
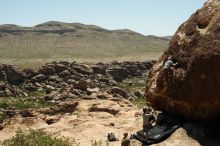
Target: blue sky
(156, 17)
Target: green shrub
(2, 117)
(140, 102)
(3, 105)
(21, 103)
(35, 138)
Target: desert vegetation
(78, 91)
(35, 138)
(56, 41)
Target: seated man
(126, 141)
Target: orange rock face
(193, 89)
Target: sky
(148, 17)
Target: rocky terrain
(80, 79)
(73, 100)
(83, 102)
(54, 41)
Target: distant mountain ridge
(168, 38)
(51, 26)
(60, 40)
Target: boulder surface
(193, 89)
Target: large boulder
(99, 69)
(193, 90)
(118, 73)
(14, 76)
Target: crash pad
(159, 132)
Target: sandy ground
(83, 126)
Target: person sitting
(125, 141)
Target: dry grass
(84, 44)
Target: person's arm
(174, 64)
(153, 120)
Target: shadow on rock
(206, 135)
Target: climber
(168, 68)
(125, 141)
(169, 64)
(148, 120)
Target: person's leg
(145, 132)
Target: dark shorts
(146, 128)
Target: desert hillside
(74, 41)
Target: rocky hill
(74, 41)
(193, 88)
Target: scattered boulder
(103, 95)
(14, 76)
(30, 87)
(99, 69)
(10, 113)
(38, 78)
(112, 111)
(92, 90)
(81, 69)
(132, 69)
(26, 113)
(47, 70)
(2, 75)
(138, 94)
(118, 73)
(1, 126)
(119, 91)
(2, 86)
(60, 67)
(52, 119)
(29, 73)
(67, 107)
(82, 85)
(8, 92)
(104, 79)
(64, 73)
